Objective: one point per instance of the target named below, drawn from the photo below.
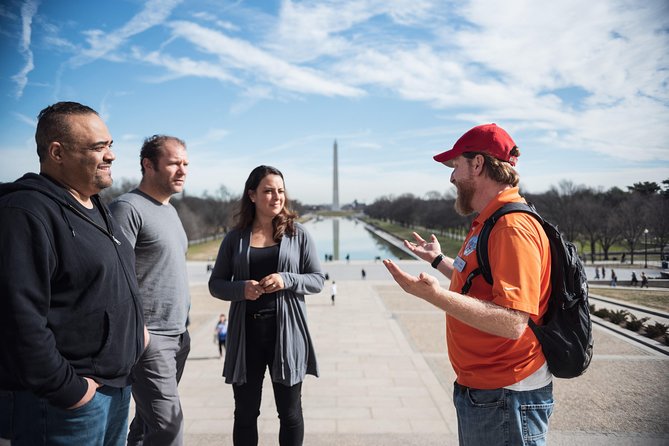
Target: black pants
(260, 341)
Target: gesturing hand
(424, 286)
(423, 249)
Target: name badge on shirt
(459, 264)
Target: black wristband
(437, 260)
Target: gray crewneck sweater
(160, 242)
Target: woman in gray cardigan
(265, 266)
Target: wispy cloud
(32, 122)
(307, 31)
(250, 97)
(184, 66)
(208, 17)
(28, 11)
(6, 12)
(260, 65)
(211, 137)
(615, 52)
(101, 44)
(505, 62)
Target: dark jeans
(102, 421)
(6, 409)
(260, 341)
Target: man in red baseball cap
(487, 138)
(503, 391)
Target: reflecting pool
(341, 237)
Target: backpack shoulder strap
(482, 242)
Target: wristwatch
(437, 260)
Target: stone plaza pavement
(385, 378)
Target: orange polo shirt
(520, 258)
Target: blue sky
(583, 87)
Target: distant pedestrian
(363, 273)
(614, 278)
(634, 280)
(220, 333)
(603, 273)
(596, 273)
(644, 280)
(333, 293)
(622, 258)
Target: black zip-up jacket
(69, 300)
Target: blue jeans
(502, 416)
(102, 421)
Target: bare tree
(657, 219)
(630, 216)
(557, 206)
(591, 212)
(403, 210)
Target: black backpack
(566, 333)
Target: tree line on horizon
(599, 221)
(628, 221)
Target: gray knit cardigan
(300, 270)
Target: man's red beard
(463, 201)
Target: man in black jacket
(71, 324)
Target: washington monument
(335, 180)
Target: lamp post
(645, 248)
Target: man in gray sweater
(153, 227)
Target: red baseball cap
(488, 138)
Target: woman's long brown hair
(282, 223)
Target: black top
(263, 262)
(94, 214)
